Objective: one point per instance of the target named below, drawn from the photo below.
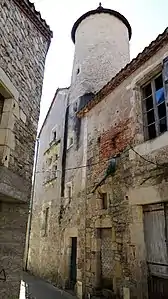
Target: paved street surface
(39, 289)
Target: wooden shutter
(155, 238)
(165, 83)
(1, 105)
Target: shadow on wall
(83, 101)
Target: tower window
(78, 71)
(54, 135)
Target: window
(70, 141)
(54, 135)
(78, 71)
(104, 201)
(68, 189)
(154, 108)
(45, 221)
(1, 106)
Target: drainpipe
(27, 245)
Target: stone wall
(23, 50)
(137, 181)
(13, 219)
(22, 58)
(44, 252)
(112, 127)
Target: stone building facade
(126, 212)
(111, 214)
(24, 42)
(44, 238)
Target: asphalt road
(40, 289)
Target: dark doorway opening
(73, 268)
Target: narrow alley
(36, 288)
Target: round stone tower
(101, 38)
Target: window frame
(2, 102)
(45, 224)
(53, 137)
(68, 186)
(144, 110)
(70, 136)
(104, 199)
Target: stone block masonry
(23, 49)
(22, 58)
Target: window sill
(150, 146)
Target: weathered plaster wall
(113, 125)
(101, 50)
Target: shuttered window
(1, 105)
(155, 104)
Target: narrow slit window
(54, 135)
(1, 106)
(70, 140)
(46, 221)
(69, 192)
(104, 201)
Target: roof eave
(35, 17)
(98, 11)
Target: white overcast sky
(147, 18)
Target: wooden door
(155, 228)
(106, 258)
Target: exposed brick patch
(115, 140)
